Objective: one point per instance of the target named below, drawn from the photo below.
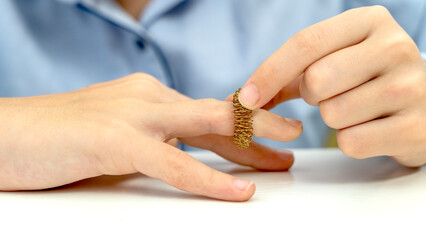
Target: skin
(131, 125)
(361, 69)
(134, 7)
(367, 77)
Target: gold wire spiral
(243, 129)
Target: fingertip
(250, 191)
(229, 98)
(241, 184)
(235, 190)
(275, 160)
(297, 125)
(244, 189)
(249, 96)
(257, 155)
(275, 127)
(287, 159)
(292, 129)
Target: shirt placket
(110, 12)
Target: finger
(390, 136)
(350, 67)
(377, 98)
(200, 117)
(257, 155)
(291, 91)
(182, 171)
(306, 47)
(342, 71)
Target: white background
(325, 196)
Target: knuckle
(329, 110)
(138, 87)
(409, 90)
(417, 86)
(408, 128)
(314, 83)
(140, 75)
(143, 84)
(379, 12)
(143, 78)
(401, 48)
(213, 113)
(349, 144)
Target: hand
(365, 73)
(123, 127)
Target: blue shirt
(202, 48)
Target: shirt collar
(113, 12)
(158, 8)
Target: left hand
(365, 73)
(125, 126)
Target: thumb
(182, 171)
(291, 91)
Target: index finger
(305, 48)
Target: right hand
(122, 127)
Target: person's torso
(203, 48)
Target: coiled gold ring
(243, 124)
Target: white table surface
(324, 196)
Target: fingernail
(241, 184)
(249, 96)
(294, 123)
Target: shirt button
(140, 44)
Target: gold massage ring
(243, 129)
